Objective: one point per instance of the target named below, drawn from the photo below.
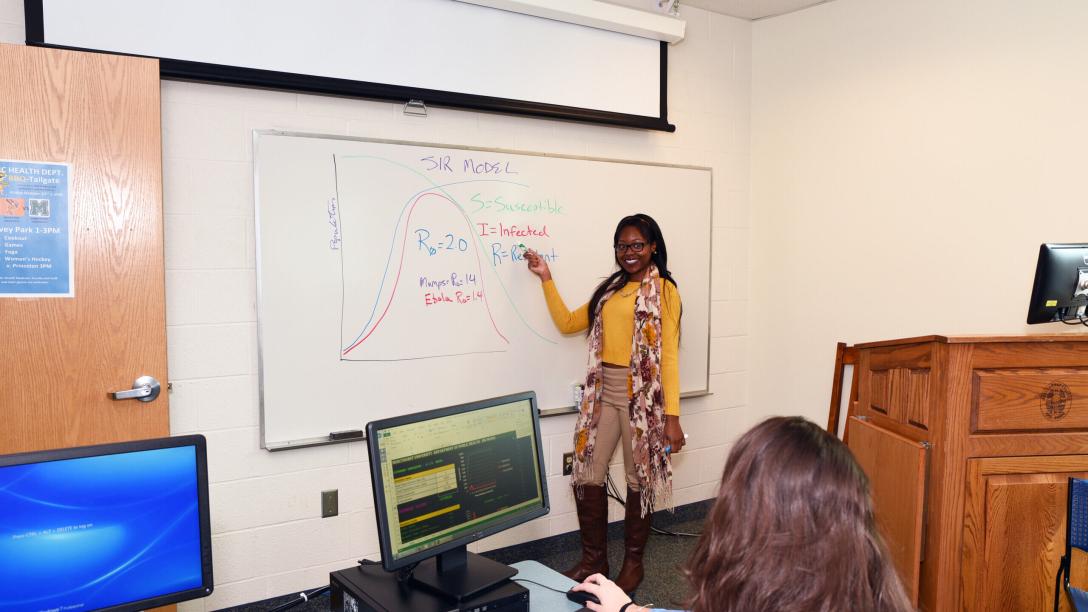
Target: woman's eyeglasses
(634, 246)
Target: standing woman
(632, 392)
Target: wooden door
(896, 467)
(62, 356)
(1014, 531)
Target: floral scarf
(645, 399)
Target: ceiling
(744, 9)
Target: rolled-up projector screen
(442, 52)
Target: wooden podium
(968, 442)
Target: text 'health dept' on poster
(35, 230)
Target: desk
(378, 590)
(540, 598)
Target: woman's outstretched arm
(566, 321)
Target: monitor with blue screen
(115, 527)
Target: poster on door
(35, 230)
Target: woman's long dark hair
(650, 231)
(792, 530)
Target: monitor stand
(461, 574)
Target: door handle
(145, 389)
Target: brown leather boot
(636, 530)
(593, 522)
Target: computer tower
(367, 588)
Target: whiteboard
(390, 278)
(429, 46)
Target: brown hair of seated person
(792, 530)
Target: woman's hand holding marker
(537, 265)
(674, 434)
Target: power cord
(541, 584)
(612, 490)
(678, 534)
(303, 597)
(404, 574)
(1081, 320)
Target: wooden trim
(1067, 337)
(1009, 444)
(915, 356)
(1030, 355)
(901, 341)
(844, 356)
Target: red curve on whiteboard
(400, 268)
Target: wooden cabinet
(1005, 423)
(1014, 530)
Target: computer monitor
(1060, 292)
(114, 527)
(445, 478)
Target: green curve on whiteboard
(480, 243)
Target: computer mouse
(581, 597)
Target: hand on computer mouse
(581, 598)
(608, 595)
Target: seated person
(791, 531)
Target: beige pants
(613, 427)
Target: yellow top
(618, 325)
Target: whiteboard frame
(186, 69)
(544, 413)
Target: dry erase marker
(668, 448)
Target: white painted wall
(268, 538)
(908, 158)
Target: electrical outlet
(568, 463)
(330, 503)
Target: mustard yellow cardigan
(618, 323)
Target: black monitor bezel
(389, 563)
(1045, 267)
(115, 448)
